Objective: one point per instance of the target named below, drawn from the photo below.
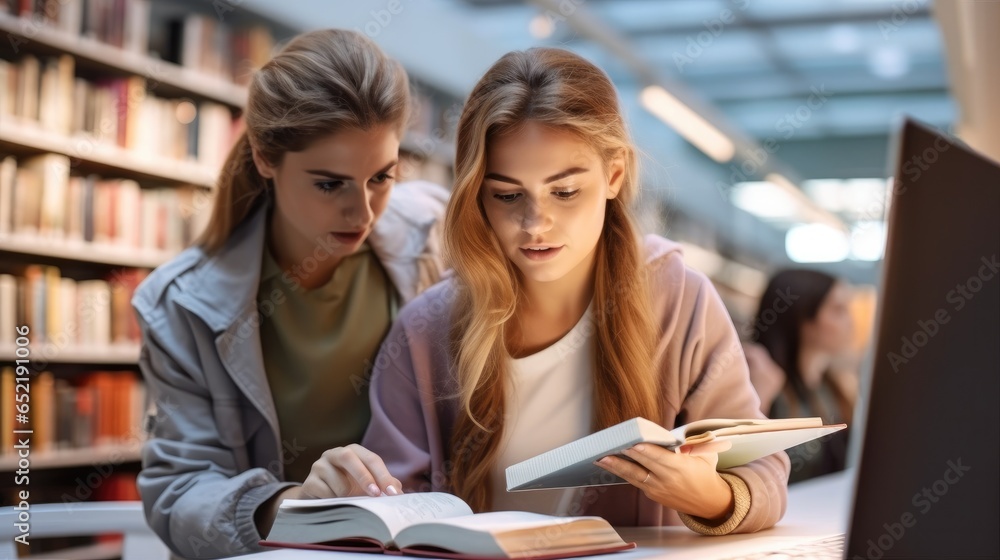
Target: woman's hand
(342, 471)
(685, 481)
(349, 471)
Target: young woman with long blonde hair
(257, 342)
(560, 320)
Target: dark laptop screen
(928, 472)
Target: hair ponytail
(239, 190)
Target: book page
(500, 521)
(397, 512)
(749, 447)
(727, 426)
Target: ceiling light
(541, 26)
(764, 200)
(690, 125)
(889, 62)
(868, 240)
(844, 38)
(828, 193)
(815, 243)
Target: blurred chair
(81, 519)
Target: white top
(549, 403)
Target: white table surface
(817, 508)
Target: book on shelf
(40, 199)
(8, 174)
(8, 311)
(67, 313)
(89, 410)
(438, 525)
(119, 23)
(213, 47)
(572, 465)
(201, 42)
(119, 111)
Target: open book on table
(573, 465)
(439, 525)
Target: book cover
(572, 465)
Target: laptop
(927, 466)
(928, 471)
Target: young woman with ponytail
(258, 341)
(561, 320)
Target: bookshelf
(171, 79)
(29, 256)
(87, 397)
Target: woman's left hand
(685, 481)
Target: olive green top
(319, 346)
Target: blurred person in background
(802, 330)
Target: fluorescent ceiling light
(889, 62)
(844, 38)
(828, 193)
(690, 125)
(857, 199)
(814, 243)
(807, 208)
(868, 241)
(764, 200)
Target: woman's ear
(616, 175)
(264, 168)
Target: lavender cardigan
(704, 375)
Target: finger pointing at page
(349, 471)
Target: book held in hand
(572, 465)
(438, 525)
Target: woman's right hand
(349, 471)
(342, 471)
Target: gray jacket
(214, 454)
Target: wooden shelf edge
(85, 149)
(80, 251)
(49, 353)
(80, 457)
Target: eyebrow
(340, 177)
(561, 175)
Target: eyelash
(326, 188)
(510, 198)
(329, 187)
(385, 178)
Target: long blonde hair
(556, 88)
(321, 82)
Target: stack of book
(118, 111)
(68, 313)
(92, 409)
(40, 199)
